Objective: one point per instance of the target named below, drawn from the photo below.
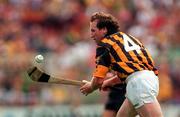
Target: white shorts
(142, 87)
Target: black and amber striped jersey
(124, 54)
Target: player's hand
(86, 88)
(106, 85)
(110, 82)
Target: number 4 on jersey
(129, 45)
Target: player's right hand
(86, 88)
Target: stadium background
(59, 30)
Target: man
(116, 96)
(133, 64)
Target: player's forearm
(114, 80)
(96, 83)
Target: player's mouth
(93, 38)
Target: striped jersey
(124, 54)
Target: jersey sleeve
(103, 62)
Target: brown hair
(107, 21)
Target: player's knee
(150, 110)
(126, 113)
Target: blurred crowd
(59, 30)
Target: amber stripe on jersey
(131, 61)
(146, 58)
(131, 54)
(119, 55)
(149, 61)
(145, 53)
(141, 57)
(111, 50)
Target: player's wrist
(114, 80)
(94, 86)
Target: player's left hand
(106, 85)
(86, 88)
(109, 83)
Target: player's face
(97, 34)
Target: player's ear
(104, 31)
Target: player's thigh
(150, 110)
(126, 110)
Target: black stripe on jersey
(147, 57)
(128, 56)
(147, 64)
(101, 51)
(142, 66)
(132, 66)
(112, 51)
(103, 57)
(118, 68)
(155, 70)
(106, 45)
(134, 40)
(119, 35)
(135, 52)
(140, 59)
